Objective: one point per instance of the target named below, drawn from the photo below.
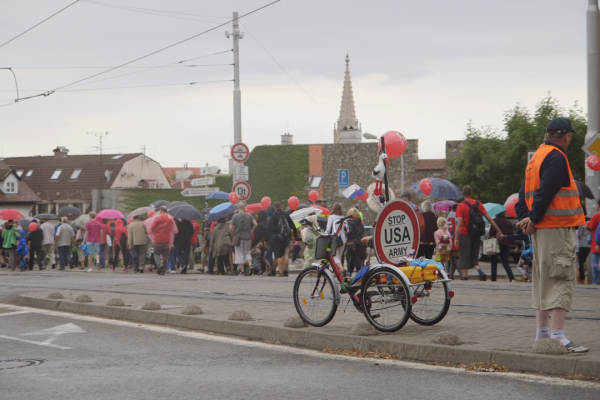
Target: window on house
(76, 173)
(29, 173)
(315, 181)
(20, 172)
(56, 174)
(10, 187)
(118, 156)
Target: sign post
(243, 190)
(240, 152)
(199, 191)
(343, 178)
(240, 173)
(209, 170)
(397, 232)
(202, 181)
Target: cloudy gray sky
(425, 68)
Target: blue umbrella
(494, 209)
(221, 211)
(218, 195)
(442, 189)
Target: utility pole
(237, 95)
(100, 136)
(592, 178)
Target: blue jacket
(22, 248)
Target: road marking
(32, 342)
(56, 332)
(14, 313)
(552, 380)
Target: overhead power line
(129, 87)
(288, 74)
(38, 24)
(152, 9)
(49, 92)
(160, 66)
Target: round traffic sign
(397, 232)
(240, 152)
(243, 190)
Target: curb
(555, 365)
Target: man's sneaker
(172, 271)
(90, 270)
(573, 348)
(126, 270)
(483, 277)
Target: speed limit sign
(242, 189)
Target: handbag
(491, 247)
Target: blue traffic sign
(343, 178)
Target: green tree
(494, 162)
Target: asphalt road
(82, 357)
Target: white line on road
(302, 352)
(32, 342)
(14, 313)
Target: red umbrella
(324, 210)
(10, 213)
(254, 208)
(510, 207)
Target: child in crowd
(442, 242)
(526, 259)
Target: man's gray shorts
(468, 250)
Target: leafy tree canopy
(493, 163)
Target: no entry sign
(240, 152)
(396, 232)
(243, 190)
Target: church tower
(347, 129)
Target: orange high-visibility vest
(565, 209)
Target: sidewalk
(494, 320)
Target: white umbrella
(299, 215)
(140, 211)
(81, 221)
(512, 196)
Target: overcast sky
(425, 68)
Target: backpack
(476, 225)
(283, 228)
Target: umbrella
(324, 210)
(47, 216)
(24, 222)
(110, 214)
(206, 210)
(176, 203)
(185, 211)
(140, 211)
(69, 211)
(9, 214)
(444, 205)
(158, 204)
(221, 211)
(218, 195)
(510, 198)
(254, 208)
(442, 189)
(299, 215)
(584, 190)
(494, 208)
(510, 207)
(81, 221)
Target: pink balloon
(395, 144)
(293, 203)
(593, 162)
(265, 203)
(151, 213)
(33, 226)
(426, 186)
(313, 195)
(233, 198)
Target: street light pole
(237, 95)
(592, 179)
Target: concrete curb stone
(312, 338)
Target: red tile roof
(439, 164)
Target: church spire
(347, 120)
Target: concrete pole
(592, 178)
(237, 95)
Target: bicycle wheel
(314, 298)
(386, 300)
(432, 303)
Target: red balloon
(293, 203)
(265, 203)
(395, 144)
(313, 195)
(593, 162)
(129, 220)
(32, 227)
(510, 208)
(151, 213)
(233, 198)
(426, 186)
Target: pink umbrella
(110, 214)
(444, 205)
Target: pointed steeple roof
(347, 111)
